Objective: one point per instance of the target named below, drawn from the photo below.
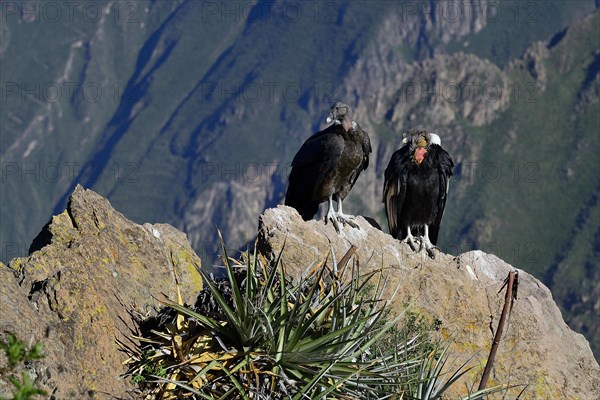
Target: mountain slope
(190, 114)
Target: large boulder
(463, 292)
(91, 272)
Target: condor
(327, 166)
(415, 189)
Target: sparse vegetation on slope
(17, 352)
(258, 334)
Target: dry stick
(346, 258)
(507, 305)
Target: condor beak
(329, 118)
(421, 142)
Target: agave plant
(269, 337)
(435, 379)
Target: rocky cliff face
(92, 274)
(463, 292)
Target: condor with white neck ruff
(415, 189)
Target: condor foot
(428, 246)
(410, 240)
(336, 218)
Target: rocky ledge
(537, 349)
(92, 274)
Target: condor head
(419, 141)
(341, 113)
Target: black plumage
(416, 187)
(327, 166)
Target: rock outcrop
(537, 349)
(90, 274)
